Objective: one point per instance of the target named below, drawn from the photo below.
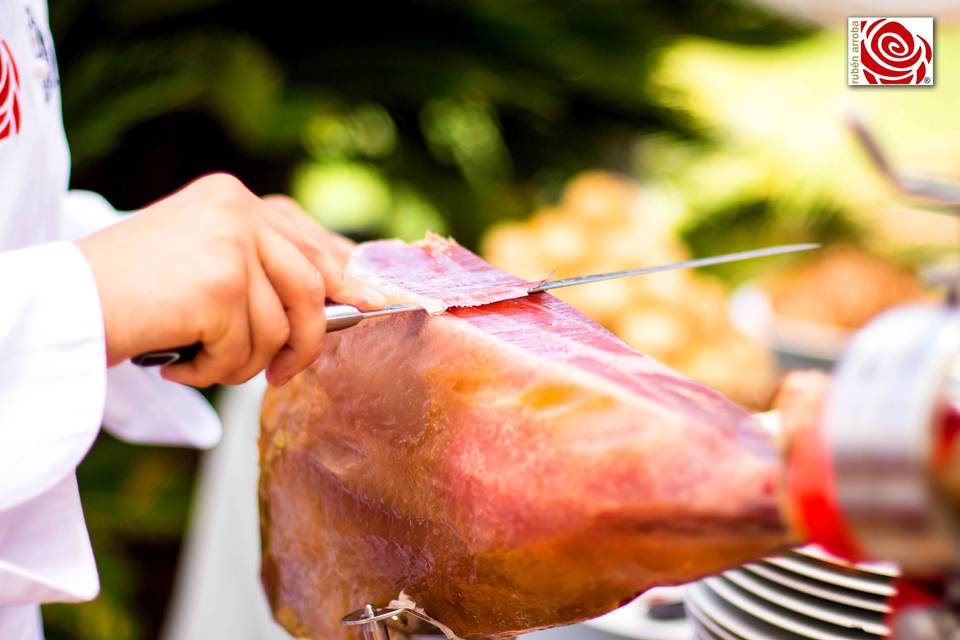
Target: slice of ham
(437, 274)
(507, 467)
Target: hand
(215, 264)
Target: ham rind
(435, 273)
(508, 467)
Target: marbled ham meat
(508, 466)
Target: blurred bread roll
(842, 286)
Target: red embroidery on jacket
(9, 92)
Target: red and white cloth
(55, 388)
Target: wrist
(89, 248)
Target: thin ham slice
(510, 466)
(437, 275)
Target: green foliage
(475, 106)
(761, 222)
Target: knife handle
(167, 356)
(342, 316)
(339, 317)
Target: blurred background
(551, 137)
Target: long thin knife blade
(686, 264)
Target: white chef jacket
(55, 388)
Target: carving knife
(344, 316)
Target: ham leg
(509, 467)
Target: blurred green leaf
(465, 133)
(230, 76)
(346, 196)
(760, 222)
(412, 216)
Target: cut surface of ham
(509, 467)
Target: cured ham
(508, 466)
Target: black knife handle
(168, 356)
(339, 317)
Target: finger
(312, 239)
(300, 287)
(336, 243)
(328, 252)
(340, 245)
(269, 328)
(223, 352)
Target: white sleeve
(46, 554)
(53, 378)
(52, 388)
(141, 406)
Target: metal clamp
(396, 623)
(393, 623)
(881, 426)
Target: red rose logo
(9, 90)
(892, 54)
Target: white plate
(703, 622)
(632, 621)
(815, 609)
(848, 580)
(818, 589)
(884, 569)
(733, 600)
(713, 612)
